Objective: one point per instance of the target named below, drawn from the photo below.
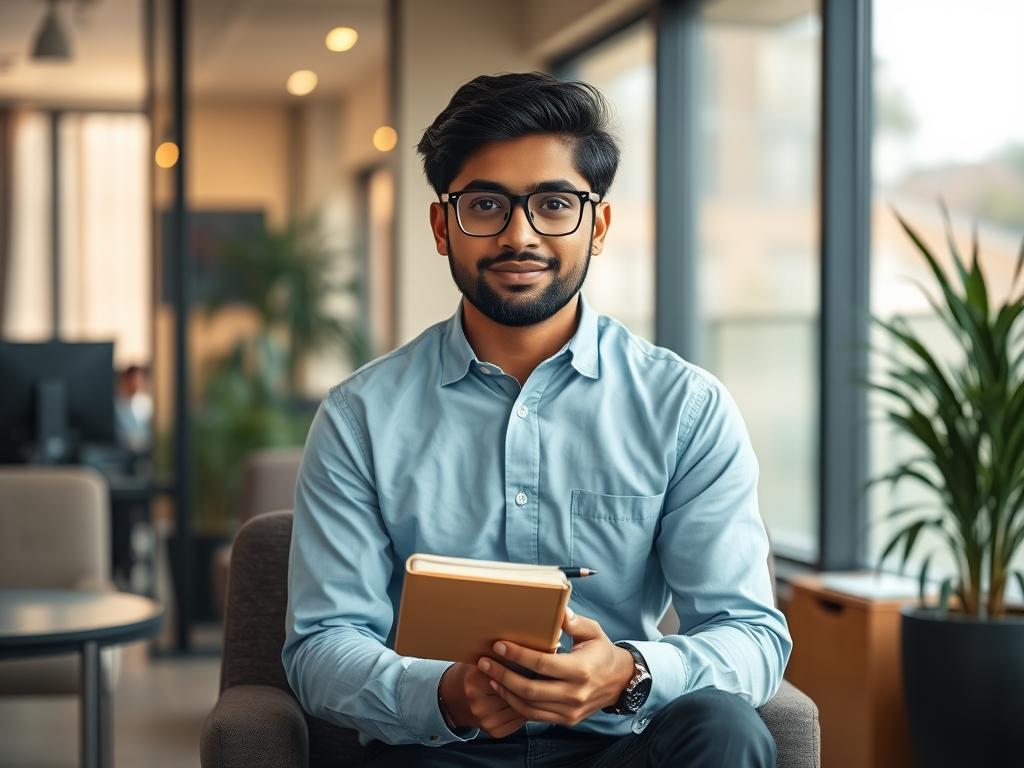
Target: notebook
(455, 609)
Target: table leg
(91, 709)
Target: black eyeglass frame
(520, 200)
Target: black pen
(576, 573)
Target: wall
(431, 67)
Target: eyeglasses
(550, 213)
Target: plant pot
(964, 688)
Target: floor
(158, 714)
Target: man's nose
(519, 234)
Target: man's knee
(718, 725)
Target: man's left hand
(590, 677)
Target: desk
(37, 622)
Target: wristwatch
(637, 689)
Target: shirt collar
(584, 343)
(457, 355)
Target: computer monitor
(54, 397)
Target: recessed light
(385, 138)
(166, 154)
(341, 38)
(301, 82)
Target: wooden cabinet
(846, 656)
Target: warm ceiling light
(385, 138)
(166, 154)
(301, 82)
(341, 38)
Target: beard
(524, 304)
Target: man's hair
(493, 108)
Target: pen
(576, 573)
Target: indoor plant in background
(963, 657)
(252, 397)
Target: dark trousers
(703, 729)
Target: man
(528, 428)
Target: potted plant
(251, 397)
(963, 654)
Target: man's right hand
(472, 703)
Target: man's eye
(485, 204)
(556, 204)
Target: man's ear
(439, 227)
(602, 220)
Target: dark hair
(492, 108)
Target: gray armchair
(55, 534)
(257, 720)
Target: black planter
(964, 687)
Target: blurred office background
(210, 212)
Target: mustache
(524, 256)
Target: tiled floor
(158, 713)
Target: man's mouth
(521, 267)
(519, 272)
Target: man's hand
(585, 680)
(472, 704)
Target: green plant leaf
(945, 590)
(922, 581)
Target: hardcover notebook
(454, 608)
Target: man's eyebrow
(550, 185)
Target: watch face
(638, 693)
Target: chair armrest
(792, 718)
(255, 726)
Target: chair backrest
(54, 528)
(257, 600)
(268, 481)
(254, 628)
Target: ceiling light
(385, 138)
(51, 41)
(301, 82)
(166, 154)
(341, 38)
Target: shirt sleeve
(339, 612)
(714, 551)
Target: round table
(37, 622)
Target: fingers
(579, 627)
(544, 712)
(547, 664)
(533, 690)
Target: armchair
(257, 720)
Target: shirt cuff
(417, 701)
(669, 674)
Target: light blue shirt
(616, 455)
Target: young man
(529, 428)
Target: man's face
(519, 277)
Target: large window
(104, 267)
(757, 243)
(947, 125)
(621, 280)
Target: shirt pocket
(615, 536)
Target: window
(946, 125)
(758, 248)
(620, 282)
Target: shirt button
(484, 369)
(523, 410)
(433, 738)
(521, 499)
